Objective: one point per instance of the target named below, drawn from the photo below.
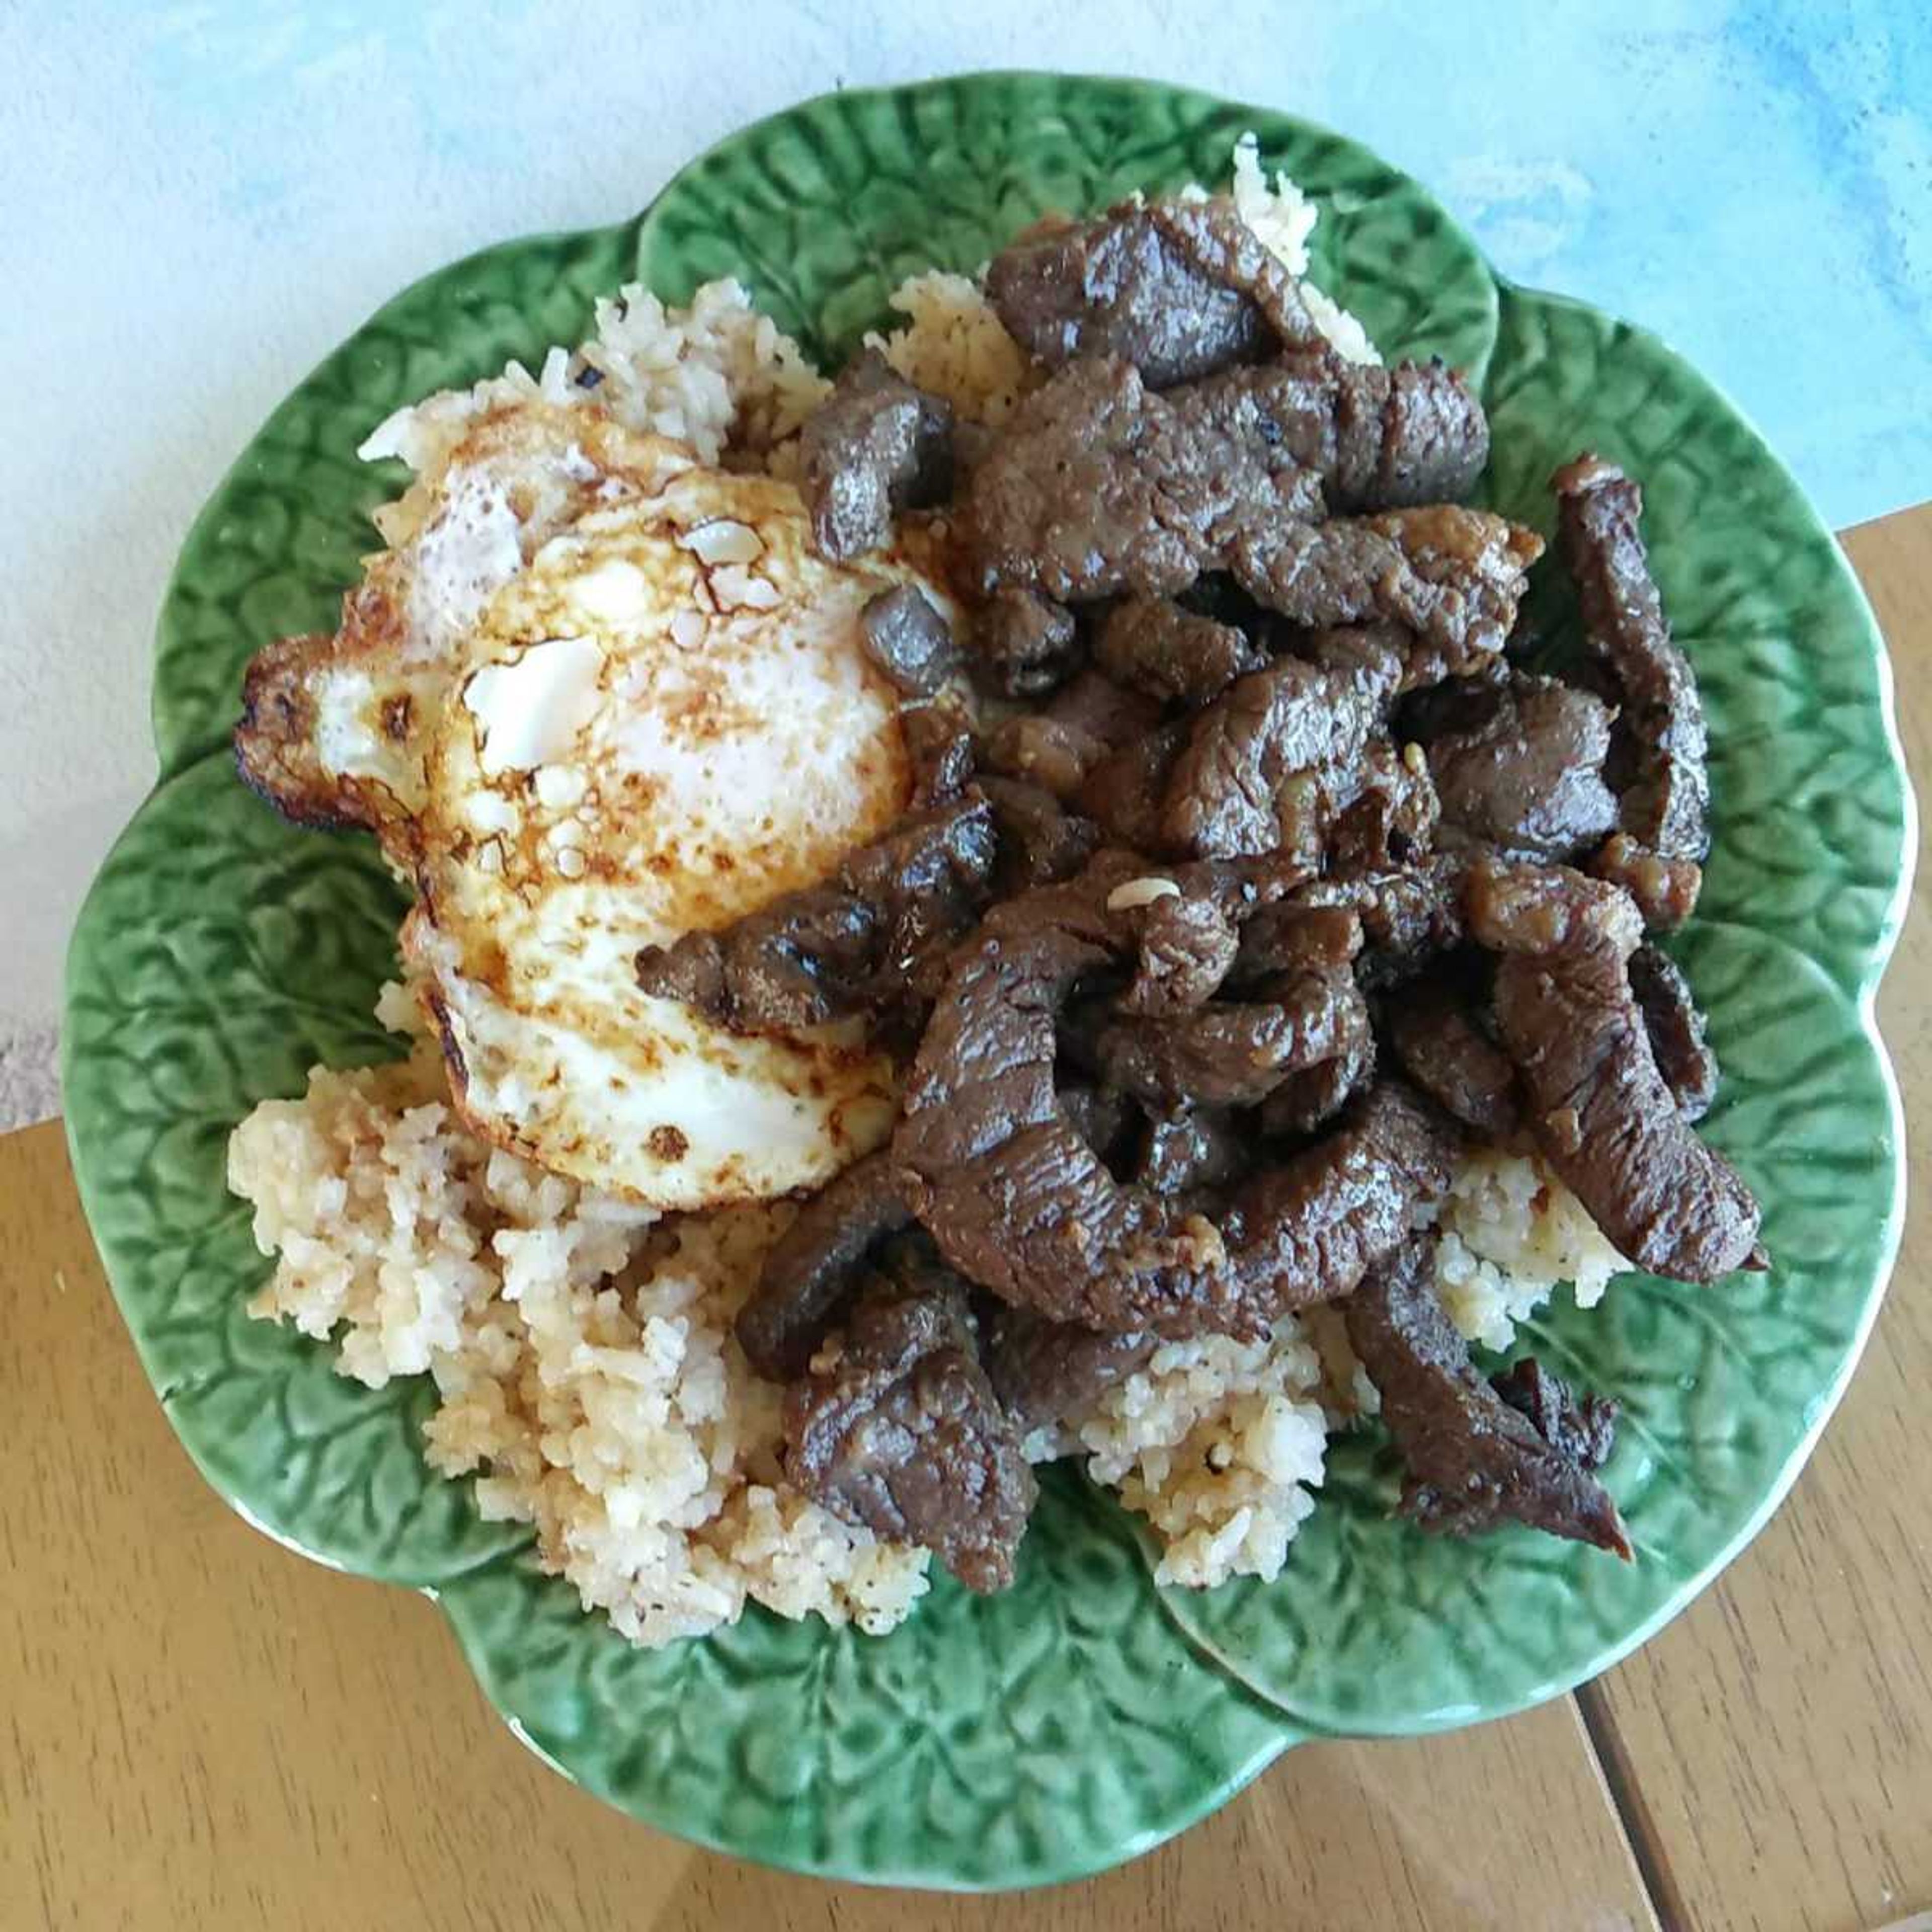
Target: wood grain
(1780, 1732)
(202, 1730)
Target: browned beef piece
(1596, 1101)
(1675, 1028)
(1305, 1231)
(1582, 1428)
(1184, 945)
(1472, 1460)
(1228, 1055)
(875, 446)
(1024, 646)
(939, 742)
(815, 1263)
(1018, 1200)
(1665, 806)
(1294, 936)
(1096, 486)
(1221, 793)
(1441, 1048)
(903, 1433)
(1382, 809)
(1176, 288)
(1040, 842)
(1176, 655)
(1046, 1372)
(867, 937)
(908, 640)
(1092, 702)
(1521, 769)
(1381, 438)
(1409, 914)
(1125, 791)
(1104, 1118)
(1309, 1099)
(1454, 577)
(1665, 890)
(1395, 654)
(1197, 1148)
(1042, 752)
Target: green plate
(1084, 1715)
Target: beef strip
(1381, 438)
(1178, 288)
(1382, 810)
(1307, 1100)
(1040, 842)
(1097, 486)
(1665, 890)
(1196, 1149)
(1176, 655)
(1016, 1199)
(1523, 769)
(874, 446)
(1124, 793)
(1024, 646)
(1597, 1102)
(908, 641)
(1472, 1460)
(1044, 752)
(1453, 576)
(1221, 795)
(1294, 936)
(1581, 1428)
(1184, 945)
(1441, 1048)
(1305, 1231)
(1047, 1372)
(1676, 1029)
(1228, 1055)
(1409, 914)
(939, 743)
(903, 1434)
(1665, 808)
(1093, 702)
(870, 936)
(814, 1264)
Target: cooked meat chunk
(1176, 288)
(1176, 655)
(1408, 915)
(1226, 1054)
(1221, 795)
(1016, 1199)
(1124, 793)
(1184, 944)
(1447, 1055)
(1294, 936)
(900, 1432)
(1675, 1028)
(1305, 1231)
(875, 446)
(1307, 1100)
(939, 742)
(1472, 1460)
(1581, 1428)
(1666, 805)
(1381, 438)
(909, 641)
(1454, 577)
(1046, 1372)
(867, 937)
(1040, 843)
(1665, 890)
(1024, 646)
(1597, 1102)
(1097, 486)
(1092, 702)
(815, 1263)
(1042, 752)
(1103, 1117)
(1198, 1147)
(1522, 770)
(1383, 810)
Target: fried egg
(663, 722)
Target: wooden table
(197, 1728)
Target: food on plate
(1020, 902)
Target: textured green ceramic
(1084, 1715)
